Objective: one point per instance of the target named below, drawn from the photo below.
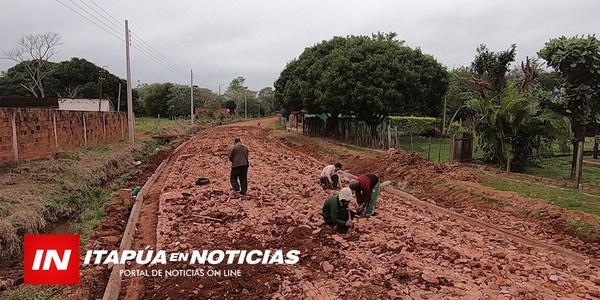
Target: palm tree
(512, 126)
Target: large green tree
(368, 76)
(236, 92)
(154, 98)
(577, 59)
(266, 97)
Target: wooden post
(578, 165)
(429, 150)
(104, 125)
(389, 136)
(440, 151)
(55, 131)
(14, 136)
(397, 140)
(84, 131)
(451, 149)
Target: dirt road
(405, 252)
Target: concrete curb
(113, 287)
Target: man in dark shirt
(238, 155)
(366, 188)
(335, 211)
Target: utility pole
(245, 106)
(130, 116)
(100, 82)
(192, 95)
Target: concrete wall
(84, 104)
(30, 133)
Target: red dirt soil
(405, 251)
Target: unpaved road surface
(405, 252)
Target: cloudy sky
(255, 39)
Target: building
(85, 104)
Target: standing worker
(329, 176)
(336, 213)
(238, 155)
(366, 188)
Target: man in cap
(238, 155)
(329, 176)
(335, 211)
(366, 188)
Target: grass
(565, 198)
(420, 145)
(147, 124)
(33, 292)
(559, 168)
(584, 227)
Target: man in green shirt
(336, 213)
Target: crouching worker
(335, 211)
(330, 179)
(366, 188)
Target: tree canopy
(369, 76)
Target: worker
(329, 176)
(336, 213)
(366, 188)
(238, 155)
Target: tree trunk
(578, 130)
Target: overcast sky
(255, 39)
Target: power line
(143, 47)
(120, 27)
(158, 53)
(149, 56)
(118, 22)
(142, 43)
(116, 55)
(116, 36)
(93, 16)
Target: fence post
(84, 131)
(55, 131)
(429, 150)
(104, 125)
(14, 135)
(389, 136)
(397, 141)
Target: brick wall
(38, 136)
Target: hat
(345, 194)
(354, 184)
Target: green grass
(420, 145)
(560, 168)
(147, 124)
(325, 150)
(584, 227)
(33, 292)
(276, 126)
(565, 198)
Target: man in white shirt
(329, 176)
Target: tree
(34, 50)
(266, 98)
(490, 69)
(154, 98)
(461, 90)
(513, 125)
(236, 91)
(577, 59)
(371, 77)
(230, 104)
